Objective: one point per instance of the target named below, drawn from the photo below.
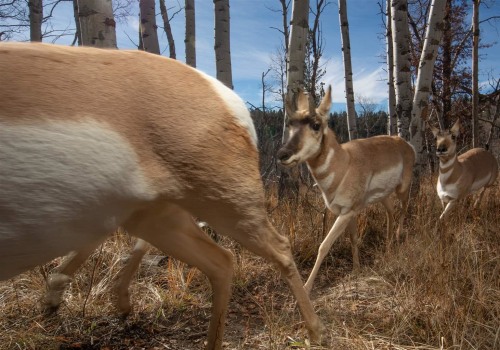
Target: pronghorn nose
(283, 154)
(441, 149)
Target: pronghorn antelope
(91, 140)
(351, 175)
(460, 175)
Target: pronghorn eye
(316, 126)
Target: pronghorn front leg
(448, 207)
(338, 227)
(59, 280)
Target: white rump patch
(235, 104)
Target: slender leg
(337, 229)
(59, 280)
(352, 227)
(389, 207)
(449, 206)
(123, 298)
(175, 232)
(248, 224)
(478, 200)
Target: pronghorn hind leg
(389, 207)
(478, 200)
(249, 225)
(352, 227)
(174, 231)
(126, 274)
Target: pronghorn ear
(455, 129)
(435, 131)
(326, 103)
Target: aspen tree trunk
(446, 48)
(475, 67)
(299, 30)
(148, 26)
(78, 33)
(97, 24)
(168, 29)
(433, 35)
(346, 53)
(36, 17)
(286, 36)
(392, 115)
(402, 60)
(222, 42)
(190, 40)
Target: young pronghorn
(91, 140)
(351, 175)
(460, 175)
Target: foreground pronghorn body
(461, 175)
(92, 139)
(350, 175)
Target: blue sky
(253, 41)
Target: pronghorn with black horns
(464, 174)
(92, 140)
(351, 175)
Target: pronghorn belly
(62, 186)
(383, 183)
(480, 183)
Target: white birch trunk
(36, 17)
(346, 53)
(299, 30)
(433, 35)
(392, 115)
(148, 26)
(96, 23)
(222, 43)
(190, 40)
(402, 78)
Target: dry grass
(438, 289)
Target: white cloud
(366, 83)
